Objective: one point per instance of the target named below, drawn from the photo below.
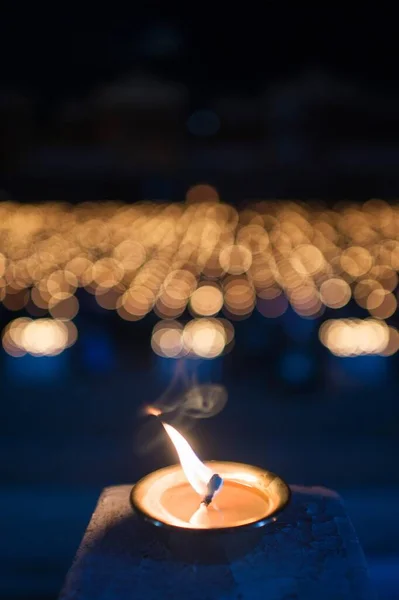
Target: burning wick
(188, 459)
(151, 410)
(214, 486)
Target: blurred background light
(235, 259)
(167, 339)
(354, 337)
(207, 300)
(40, 337)
(204, 256)
(205, 338)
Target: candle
(212, 495)
(236, 504)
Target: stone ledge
(312, 552)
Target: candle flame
(196, 472)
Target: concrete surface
(313, 552)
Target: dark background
(95, 105)
(286, 103)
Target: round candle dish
(250, 499)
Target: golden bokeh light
(61, 282)
(110, 298)
(39, 337)
(235, 259)
(335, 292)
(135, 303)
(305, 300)
(80, 266)
(239, 296)
(363, 289)
(3, 263)
(205, 338)
(356, 261)
(130, 255)
(381, 304)
(307, 259)
(72, 333)
(179, 285)
(207, 300)
(386, 276)
(254, 237)
(107, 272)
(167, 339)
(202, 254)
(393, 342)
(354, 337)
(44, 337)
(15, 299)
(167, 307)
(64, 309)
(228, 330)
(376, 298)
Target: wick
(153, 411)
(213, 487)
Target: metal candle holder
(217, 544)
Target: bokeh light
(39, 337)
(167, 339)
(381, 304)
(202, 255)
(235, 259)
(207, 300)
(205, 338)
(335, 292)
(355, 337)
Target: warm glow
(40, 337)
(393, 344)
(307, 259)
(235, 259)
(64, 308)
(135, 303)
(356, 261)
(151, 410)
(204, 337)
(305, 301)
(203, 255)
(381, 304)
(354, 337)
(197, 474)
(44, 337)
(364, 289)
(167, 339)
(335, 293)
(207, 300)
(239, 296)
